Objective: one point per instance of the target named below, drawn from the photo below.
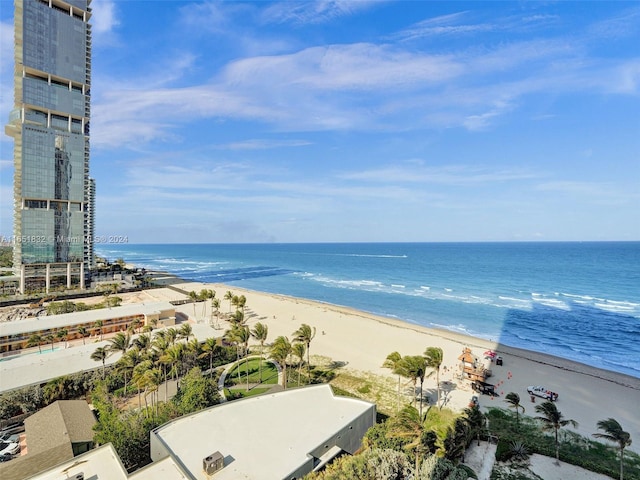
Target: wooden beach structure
(472, 368)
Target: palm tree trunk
(621, 463)
(308, 363)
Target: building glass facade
(50, 127)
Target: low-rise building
(15, 335)
(283, 435)
(55, 434)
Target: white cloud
(264, 144)
(318, 11)
(453, 175)
(104, 17)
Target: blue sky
(359, 121)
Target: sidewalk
(481, 458)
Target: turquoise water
(579, 301)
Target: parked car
(10, 437)
(12, 429)
(5, 458)
(543, 392)
(9, 448)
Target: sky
(348, 121)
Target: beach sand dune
(361, 342)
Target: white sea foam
(614, 308)
(397, 286)
(551, 302)
(365, 255)
(513, 299)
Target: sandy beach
(360, 342)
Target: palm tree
(231, 337)
(260, 332)
(83, 332)
(143, 342)
(304, 335)
(193, 349)
(614, 433)
(434, 356)
(394, 362)
(552, 420)
(160, 347)
(185, 331)
(215, 305)
(205, 295)
(194, 298)
(237, 318)
(49, 338)
(153, 378)
(171, 335)
(98, 325)
(242, 336)
(280, 351)
(100, 355)
(35, 339)
(120, 343)
(62, 334)
(410, 424)
(135, 324)
(475, 420)
(299, 349)
(140, 379)
(414, 368)
(241, 302)
(229, 296)
(513, 399)
(127, 363)
(173, 357)
(210, 349)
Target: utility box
(213, 463)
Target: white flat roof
(33, 368)
(102, 462)
(264, 437)
(88, 316)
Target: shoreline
(478, 342)
(358, 342)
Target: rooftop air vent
(213, 463)
(78, 476)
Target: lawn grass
(269, 373)
(242, 393)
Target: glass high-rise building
(53, 194)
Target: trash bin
(499, 361)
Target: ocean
(579, 301)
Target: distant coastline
(553, 298)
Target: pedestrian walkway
(230, 367)
(481, 458)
